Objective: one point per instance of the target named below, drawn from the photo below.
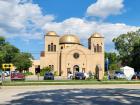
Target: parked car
(7, 73)
(0, 73)
(79, 76)
(136, 76)
(70, 76)
(119, 75)
(17, 76)
(49, 76)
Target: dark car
(136, 76)
(48, 76)
(79, 76)
(17, 76)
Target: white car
(70, 76)
(86, 75)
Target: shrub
(28, 73)
(91, 76)
(55, 73)
(44, 70)
(105, 77)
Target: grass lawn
(66, 82)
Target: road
(71, 95)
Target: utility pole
(107, 67)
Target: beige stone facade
(66, 54)
(35, 64)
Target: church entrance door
(76, 68)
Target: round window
(76, 55)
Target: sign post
(107, 67)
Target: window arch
(61, 47)
(95, 50)
(98, 48)
(54, 47)
(49, 48)
(51, 67)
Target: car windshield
(119, 72)
(79, 74)
(48, 74)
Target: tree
(22, 61)
(136, 57)
(11, 54)
(2, 41)
(7, 52)
(113, 60)
(44, 70)
(125, 45)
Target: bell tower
(96, 43)
(50, 56)
(51, 42)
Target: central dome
(69, 39)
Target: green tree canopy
(7, 51)
(11, 54)
(125, 45)
(22, 61)
(2, 41)
(135, 61)
(113, 60)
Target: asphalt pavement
(71, 95)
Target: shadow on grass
(79, 96)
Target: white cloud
(104, 8)
(84, 28)
(21, 18)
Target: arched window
(95, 49)
(61, 47)
(54, 47)
(98, 48)
(49, 48)
(52, 67)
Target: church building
(65, 54)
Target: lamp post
(107, 67)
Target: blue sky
(29, 20)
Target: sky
(25, 22)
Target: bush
(44, 70)
(113, 67)
(91, 76)
(105, 77)
(28, 73)
(55, 73)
